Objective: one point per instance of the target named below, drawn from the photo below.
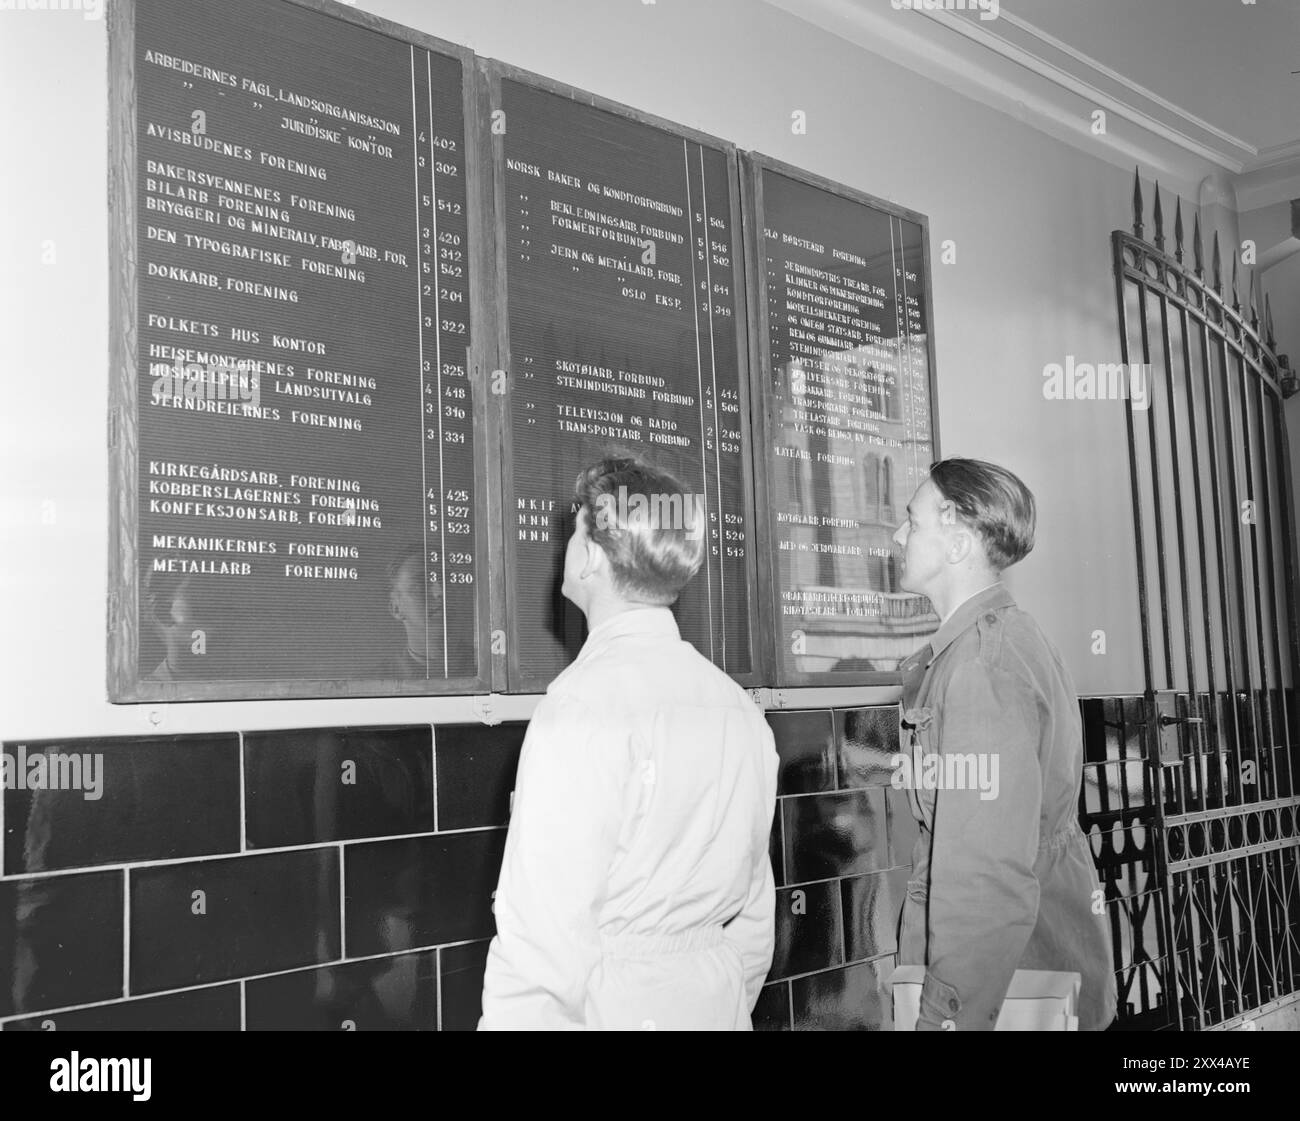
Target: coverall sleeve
(564, 831)
(983, 894)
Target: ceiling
(1227, 62)
(1199, 92)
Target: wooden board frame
(493, 73)
(753, 166)
(123, 679)
(499, 669)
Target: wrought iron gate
(1208, 810)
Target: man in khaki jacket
(991, 752)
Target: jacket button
(954, 1005)
(990, 618)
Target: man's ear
(594, 559)
(960, 546)
(393, 609)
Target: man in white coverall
(636, 890)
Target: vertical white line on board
(699, 370)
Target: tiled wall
(841, 850)
(342, 878)
(327, 878)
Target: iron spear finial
(1158, 218)
(1137, 203)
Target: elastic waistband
(654, 945)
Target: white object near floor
(1037, 1000)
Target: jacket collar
(639, 621)
(963, 618)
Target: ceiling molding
(1013, 66)
(1269, 185)
(1277, 156)
(1088, 78)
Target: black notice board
(297, 423)
(621, 295)
(844, 420)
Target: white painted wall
(1269, 226)
(1030, 217)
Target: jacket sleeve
(563, 833)
(983, 894)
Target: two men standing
(636, 890)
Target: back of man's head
(993, 502)
(650, 528)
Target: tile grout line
(826, 970)
(433, 759)
(126, 932)
(243, 809)
(310, 846)
(243, 1005)
(241, 981)
(343, 894)
(838, 791)
(437, 974)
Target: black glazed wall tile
(805, 743)
(209, 1009)
(840, 834)
(772, 1010)
(808, 931)
(398, 993)
(872, 905)
(1131, 711)
(60, 941)
(329, 784)
(854, 999)
(421, 891)
(903, 828)
(866, 739)
(262, 913)
(775, 848)
(159, 798)
(476, 773)
(1094, 712)
(461, 970)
